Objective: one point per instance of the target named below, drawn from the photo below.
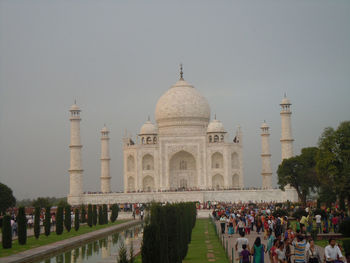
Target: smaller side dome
(148, 128)
(74, 107)
(216, 126)
(264, 125)
(104, 129)
(285, 101)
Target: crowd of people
(286, 241)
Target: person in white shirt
(332, 252)
(318, 223)
(240, 242)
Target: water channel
(100, 251)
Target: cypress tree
(122, 257)
(76, 220)
(115, 210)
(22, 226)
(67, 217)
(59, 221)
(6, 232)
(47, 221)
(105, 214)
(83, 214)
(89, 221)
(37, 222)
(100, 216)
(94, 215)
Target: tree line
(167, 232)
(94, 215)
(324, 170)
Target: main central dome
(182, 105)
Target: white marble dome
(285, 101)
(74, 107)
(215, 126)
(148, 128)
(182, 103)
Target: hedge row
(168, 233)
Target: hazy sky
(118, 57)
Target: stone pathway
(210, 248)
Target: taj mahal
(184, 156)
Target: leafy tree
(7, 199)
(59, 220)
(83, 214)
(6, 232)
(94, 215)
(333, 162)
(37, 222)
(47, 221)
(115, 210)
(100, 216)
(105, 214)
(42, 202)
(76, 220)
(67, 218)
(300, 173)
(90, 221)
(22, 226)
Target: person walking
(318, 218)
(240, 242)
(299, 249)
(222, 223)
(312, 253)
(257, 251)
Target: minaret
(266, 171)
(105, 175)
(75, 170)
(286, 131)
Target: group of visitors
(285, 243)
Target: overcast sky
(116, 58)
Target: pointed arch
(148, 162)
(217, 161)
(130, 164)
(235, 180)
(234, 161)
(218, 181)
(148, 183)
(131, 184)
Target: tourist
(335, 221)
(223, 223)
(258, 250)
(299, 249)
(332, 252)
(287, 250)
(318, 223)
(258, 225)
(244, 255)
(270, 242)
(14, 228)
(241, 225)
(230, 227)
(142, 214)
(240, 242)
(280, 253)
(273, 251)
(312, 253)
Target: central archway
(182, 171)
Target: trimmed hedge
(94, 215)
(59, 220)
(37, 222)
(115, 210)
(89, 221)
(100, 216)
(83, 214)
(47, 221)
(67, 217)
(105, 214)
(76, 220)
(22, 226)
(168, 233)
(6, 232)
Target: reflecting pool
(100, 251)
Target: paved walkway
(39, 252)
(230, 242)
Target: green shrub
(67, 217)
(344, 228)
(59, 220)
(76, 220)
(105, 214)
(83, 214)
(94, 215)
(37, 222)
(47, 221)
(90, 215)
(6, 232)
(100, 216)
(115, 210)
(22, 226)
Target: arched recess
(235, 180)
(130, 163)
(148, 183)
(218, 181)
(217, 161)
(182, 171)
(131, 183)
(234, 161)
(148, 162)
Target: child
(244, 255)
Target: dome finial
(181, 72)
(75, 101)
(215, 116)
(285, 95)
(149, 118)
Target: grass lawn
(197, 249)
(44, 240)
